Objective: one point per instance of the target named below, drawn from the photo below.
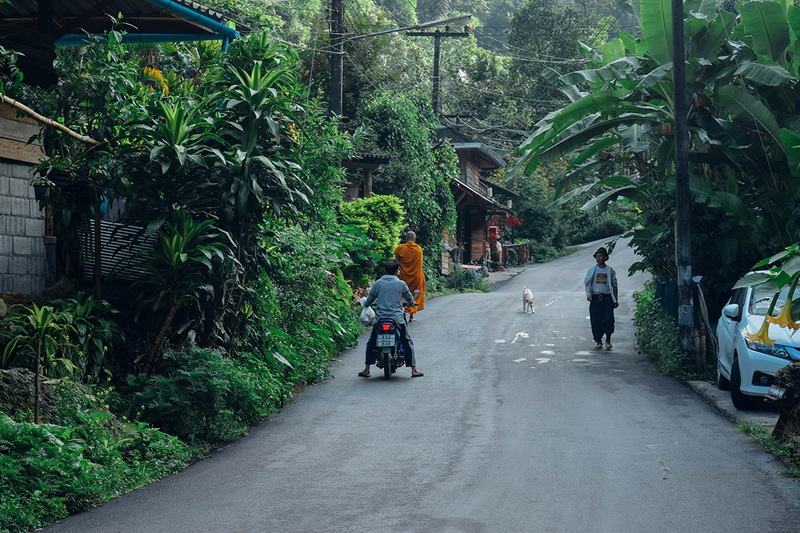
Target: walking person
(603, 296)
(409, 255)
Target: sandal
(363, 374)
(417, 375)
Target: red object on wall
(493, 233)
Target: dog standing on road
(527, 300)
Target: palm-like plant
(178, 269)
(40, 333)
(173, 147)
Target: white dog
(527, 300)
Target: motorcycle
(391, 353)
(389, 347)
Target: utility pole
(336, 57)
(683, 243)
(336, 54)
(437, 36)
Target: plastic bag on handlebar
(367, 316)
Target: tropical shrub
(36, 341)
(464, 280)
(311, 302)
(403, 126)
(85, 457)
(657, 335)
(177, 274)
(382, 218)
(202, 395)
(94, 335)
(80, 334)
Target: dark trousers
(405, 340)
(601, 316)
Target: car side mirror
(732, 311)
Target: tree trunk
(162, 334)
(36, 383)
(788, 423)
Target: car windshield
(762, 298)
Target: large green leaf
(765, 74)
(656, 20)
(707, 44)
(658, 74)
(577, 110)
(613, 50)
(702, 191)
(791, 145)
(708, 8)
(596, 147)
(575, 141)
(625, 188)
(766, 23)
(746, 108)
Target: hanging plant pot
(41, 192)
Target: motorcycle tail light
(386, 327)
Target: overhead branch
(46, 121)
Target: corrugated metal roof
(461, 142)
(94, 16)
(27, 26)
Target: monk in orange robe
(409, 255)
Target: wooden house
(474, 198)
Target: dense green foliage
(245, 290)
(382, 218)
(403, 126)
(84, 336)
(81, 458)
(657, 335)
(742, 74)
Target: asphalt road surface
(519, 425)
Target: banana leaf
(708, 44)
(702, 192)
(613, 50)
(765, 74)
(596, 147)
(746, 108)
(599, 129)
(708, 8)
(656, 20)
(791, 145)
(766, 23)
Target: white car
(748, 367)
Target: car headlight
(777, 350)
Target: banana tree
(742, 75)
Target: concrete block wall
(23, 264)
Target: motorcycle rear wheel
(387, 364)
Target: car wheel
(742, 402)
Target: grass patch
(787, 452)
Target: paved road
(519, 425)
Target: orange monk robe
(409, 255)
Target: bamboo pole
(46, 121)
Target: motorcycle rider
(390, 291)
